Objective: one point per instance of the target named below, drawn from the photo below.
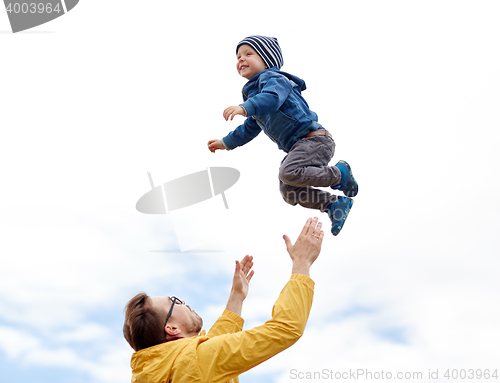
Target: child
(273, 103)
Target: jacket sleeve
(228, 323)
(274, 90)
(242, 134)
(226, 356)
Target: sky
(94, 100)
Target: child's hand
(213, 145)
(233, 111)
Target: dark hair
(143, 326)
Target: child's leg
(307, 163)
(306, 196)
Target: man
(165, 332)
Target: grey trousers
(306, 165)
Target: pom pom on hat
(267, 48)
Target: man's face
(183, 317)
(249, 62)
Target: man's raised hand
(243, 273)
(307, 247)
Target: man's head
(146, 323)
(266, 51)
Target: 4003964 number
(471, 374)
(33, 8)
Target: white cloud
(15, 342)
(86, 333)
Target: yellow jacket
(227, 351)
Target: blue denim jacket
(274, 104)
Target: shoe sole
(336, 229)
(353, 188)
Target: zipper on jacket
(267, 130)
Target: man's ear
(172, 330)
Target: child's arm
(244, 133)
(234, 111)
(274, 90)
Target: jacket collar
(301, 83)
(172, 339)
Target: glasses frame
(174, 301)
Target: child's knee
(289, 193)
(286, 176)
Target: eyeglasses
(175, 301)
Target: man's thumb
(288, 243)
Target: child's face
(249, 62)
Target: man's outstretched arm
(242, 276)
(224, 357)
(230, 321)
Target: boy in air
(273, 103)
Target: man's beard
(195, 324)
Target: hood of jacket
(157, 360)
(301, 83)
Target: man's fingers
(250, 276)
(246, 264)
(320, 237)
(247, 267)
(246, 259)
(306, 230)
(313, 227)
(317, 229)
(306, 226)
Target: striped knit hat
(267, 48)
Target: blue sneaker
(347, 184)
(338, 212)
